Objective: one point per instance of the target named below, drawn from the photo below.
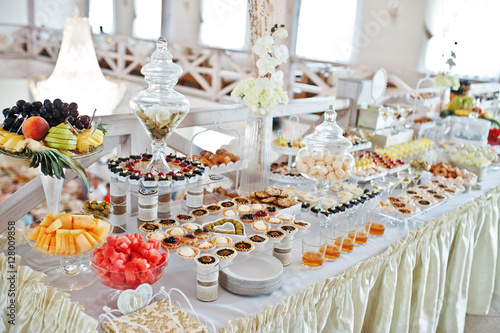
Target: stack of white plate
(259, 275)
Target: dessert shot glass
(313, 251)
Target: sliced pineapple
(15, 143)
(86, 143)
(5, 136)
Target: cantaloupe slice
(91, 239)
(67, 221)
(102, 229)
(47, 243)
(71, 243)
(84, 222)
(63, 231)
(54, 226)
(47, 220)
(65, 245)
(76, 232)
(40, 236)
(52, 245)
(58, 244)
(33, 234)
(39, 244)
(83, 243)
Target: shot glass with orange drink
(342, 239)
(313, 251)
(333, 243)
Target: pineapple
(5, 136)
(86, 142)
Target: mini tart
(261, 214)
(227, 204)
(221, 241)
(417, 197)
(171, 242)
(207, 260)
(243, 246)
(258, 240)
(289, 229)
(229, 213)
(176, 231)
(190, 227)
(199, 214)
(424, 203)
(183, 218)
(399, 205)
(214, 209)
(271, 210)
(301, 225)
(189, 239)
(260, 226)
(243, 209)
(439, 197)
(275, 235)
(150, 227)
(274, 220)
(188, 252)
(449, 190)
(256, 207)
(167, 223)
(225, 253)
(286, 218)
(411, 192)
(156, 235)
(393, 199)
(247, 218)
(241, 201)
(202, 233)
(405, 211)
(204, 246)
(432, 192)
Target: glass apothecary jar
(159, 108)
(326, 156)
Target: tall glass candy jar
(159, 108)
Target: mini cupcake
(150, 227)
(164, 180)
(190, 227)
(221, 241)
(274, 221)
(243, 247)
(178, 179)
(183, 218)
(247, 218)
(199, 214)
(241, 201)
(114, 171)
(148, 180)
(272, 210)
(167, 223)
(189, 239)
(202, 233)
(214, 209)
(135, 178)
(301, 225)
(227, 204)
(187, 252)
(275, 235)
(171, 242)
(124, 175)
(229, 213)
(258, 240)
(204, 246)
(260, 226)
(285, 218)
(176, 231)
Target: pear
(61, 137)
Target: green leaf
(102, 129)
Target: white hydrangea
(263, 46)
(280, 53)
(266, 64)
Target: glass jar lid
(328, 135)
(161, 64)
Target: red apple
(35, 128)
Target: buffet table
(424, 275)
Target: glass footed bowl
(68, 247)
(123, 280)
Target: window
(469, 24)
(147, 23)
(101, 14)
(332, 22)
(224, 23)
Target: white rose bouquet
(264, 93)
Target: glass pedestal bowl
(127, 277)
(63, 244)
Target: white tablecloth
(326, 300)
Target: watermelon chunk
(111, 240)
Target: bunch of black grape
(54, 113)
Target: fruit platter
(50, 134)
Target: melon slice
(47, 220)
(52, 245)
(40, 236)
(71, 243)
(102, 229)
(83, 243)
(33, 234)
(47, 243)
(84, 222)
(54, 226)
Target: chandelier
(77, 76)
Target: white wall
(395, 41)
(185, 21)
